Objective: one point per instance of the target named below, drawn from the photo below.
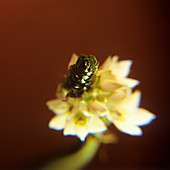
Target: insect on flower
(81, 76)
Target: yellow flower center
(80, 119)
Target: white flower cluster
(111, 99)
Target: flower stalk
(78, 159)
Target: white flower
(119, 71)
(127, 115)
(81, 125)
(75, 118)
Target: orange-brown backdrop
(37, 39)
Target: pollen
(80, 119)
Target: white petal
(107, 75)
(58, 106)
(115, 116)
(122, 68)
(61, 92)
(128, 81)
(73, 60)
(106, 64)
(113, 62)
(96, 125)
(109, 86)
(131, 103)
(102, 95)
(128, 128)
(58, 122)
(108, 81)
(116, 98)
(115, 59)
(143, 117)
(84, 109)
(71, 115)
(69, 127)
(98, 108)
(81, 132)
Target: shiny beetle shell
(81, 76)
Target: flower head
(90, 98)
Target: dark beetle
(81, 76)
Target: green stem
(78, 159)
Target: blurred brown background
(37, 39)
